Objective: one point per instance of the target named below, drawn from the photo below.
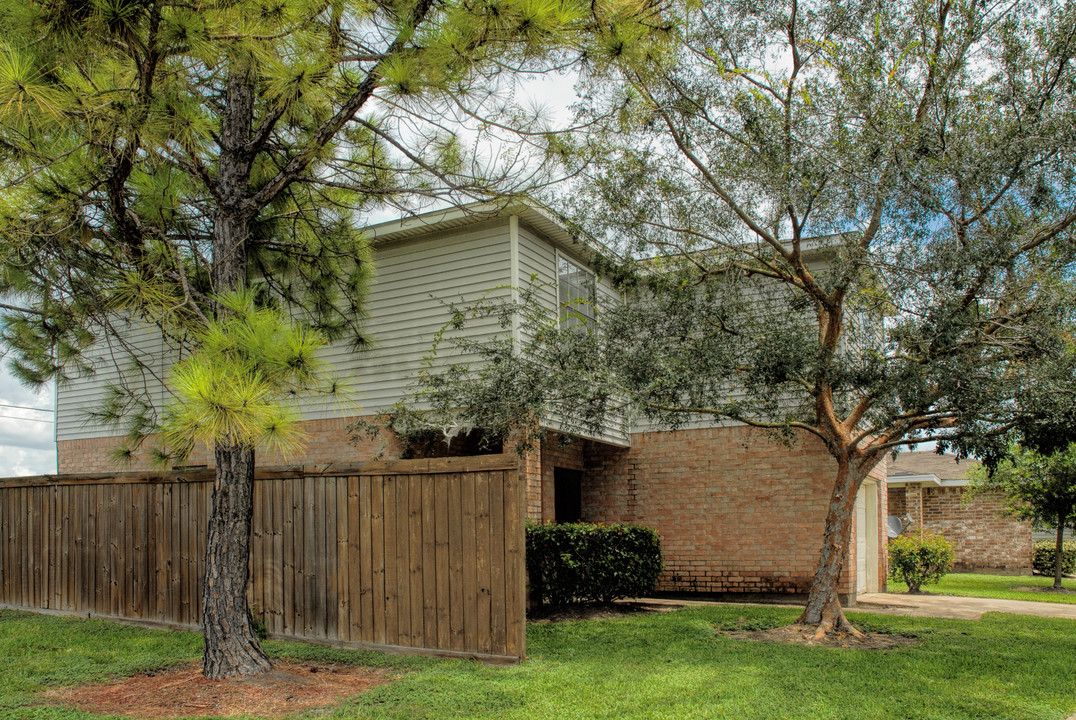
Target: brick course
(984, 539)
(327, 442)
(737, 512)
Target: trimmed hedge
(921, 558)
(583, 563)
(1044, 557)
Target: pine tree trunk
(823, 602)
(230, 646)
(1059, 548)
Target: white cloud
(27, 439)
(17, 461)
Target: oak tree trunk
(230, 646)
(823, 602)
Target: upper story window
(577, 288)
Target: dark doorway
(567, 495)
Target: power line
(27, 407)
(14, 417)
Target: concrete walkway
(950, 606)
(941, 606)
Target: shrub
(920, 558)
(583, 563)
(1044, 557)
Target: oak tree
(846, 219)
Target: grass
(669, 665)
(996, 586)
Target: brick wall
(737, 512)
(984, 538)
(327, 442)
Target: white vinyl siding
(414, 279)
(538, 263)
(406, 306)
(111, 363)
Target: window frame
(571, 310)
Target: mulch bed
(804, 635)
(1039, 588)
(594, 612)
(182, 691)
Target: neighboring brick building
(737, 512)
(929, 490)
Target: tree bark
(823, 603)
(1059, 550)
(231, 649)
(230, 646)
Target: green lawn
(996, 586)
(671, 665)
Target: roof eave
(456, 218)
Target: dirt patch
(804, 635)
(1049, 590)
(595, 612)
(183, 692)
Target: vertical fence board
(7, 549)
(22, 536)
(255, 601)
(172, 512)
(470, 569)
(100, 552)
(482, 559)
(187, 548)
(403, 550)
(498, 616)
(276, 567)
(366, 562)
(327, 587)
(352, 570)
(392, 590)
(415, 560)
(377, 557)
(455, 563)
(515, 593)
(428, 526)
(288, 566)
(441, 549)
(342, 625)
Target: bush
(583, 563)
(1044, 557)
(920, 558)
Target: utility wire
(27, 407)
(14, 417)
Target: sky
(27, 441)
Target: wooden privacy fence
(408, 554)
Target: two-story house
(736, 511)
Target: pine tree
(162, 159)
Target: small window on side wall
(577, 290)
(567, 495)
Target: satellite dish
(894, 526)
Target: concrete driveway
(964, 608)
